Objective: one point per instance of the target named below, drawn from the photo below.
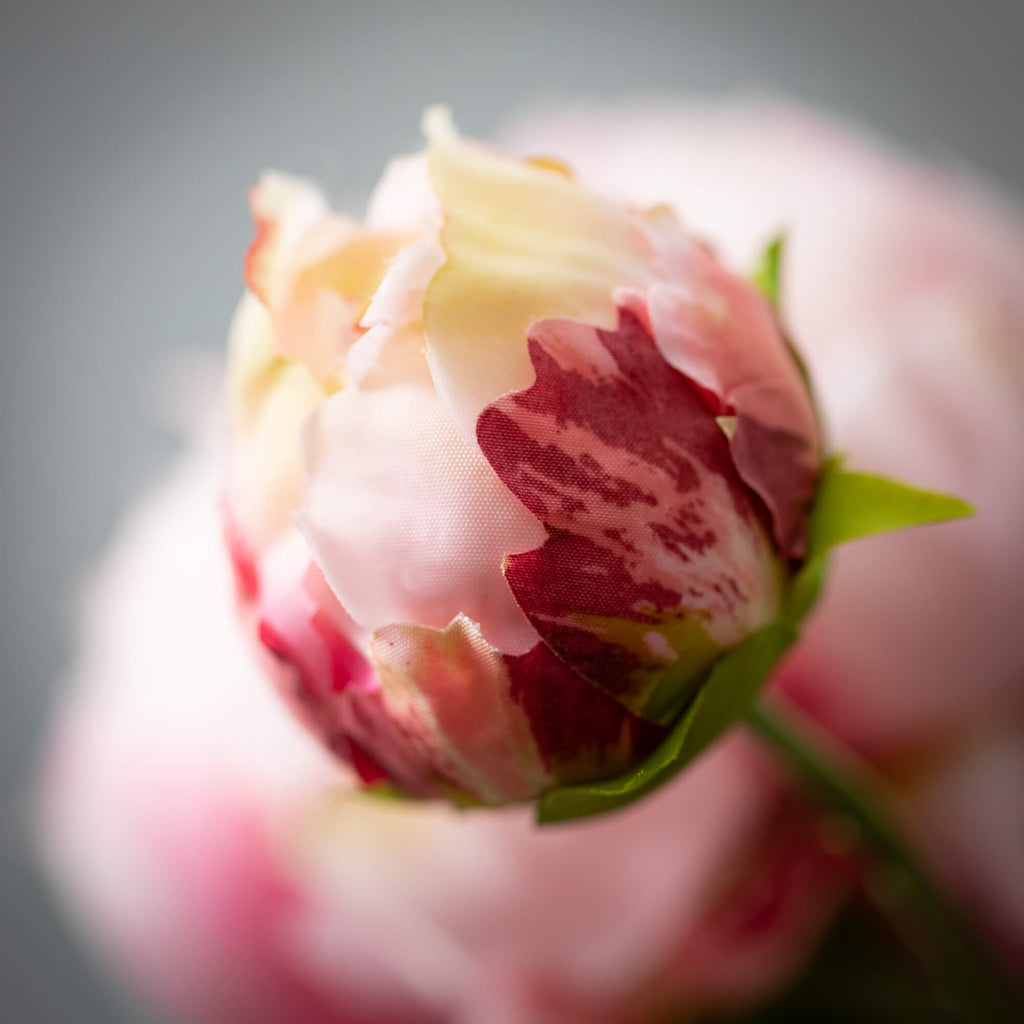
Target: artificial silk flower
(236, 874)
(513, 468)
(232, 873)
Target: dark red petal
(656, 559)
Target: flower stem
(974, 987)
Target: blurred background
(130, 133)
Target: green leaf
(722, 701)
(767, 275)
(852, 505)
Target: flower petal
(720, 333)
(269, 397)
(333, 275)
(404, 200)
(283, 208)
(580, 731)
(522, 242)
(399, 297)
(655, 559)
(406, 518)
(452, 684)
(315, 656)
(504, 727)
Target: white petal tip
(437, 125)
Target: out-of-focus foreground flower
(554, 462)
(905, 286)
(235, 873)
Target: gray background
(130, 131)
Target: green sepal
(805, 588)
(853, 505)
(767, 275)
(767, 279)
(723, 700)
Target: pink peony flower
(234, 873)
(546, 461)
(905, 286)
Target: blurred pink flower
(904, 286)
(232, 871)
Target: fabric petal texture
(522, 242)
(496, 520)
(723, 335)
(655, 560)
(415, 520)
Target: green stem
(974, 987)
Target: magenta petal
(656, 559)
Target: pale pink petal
(941, 606)
(406, 518)
(399, 298)
(484, 898)
(404, 198)
(716, 329)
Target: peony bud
(547, 461)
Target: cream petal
(522, 242)
(284, 208)
(268, 400)
(327, 287)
